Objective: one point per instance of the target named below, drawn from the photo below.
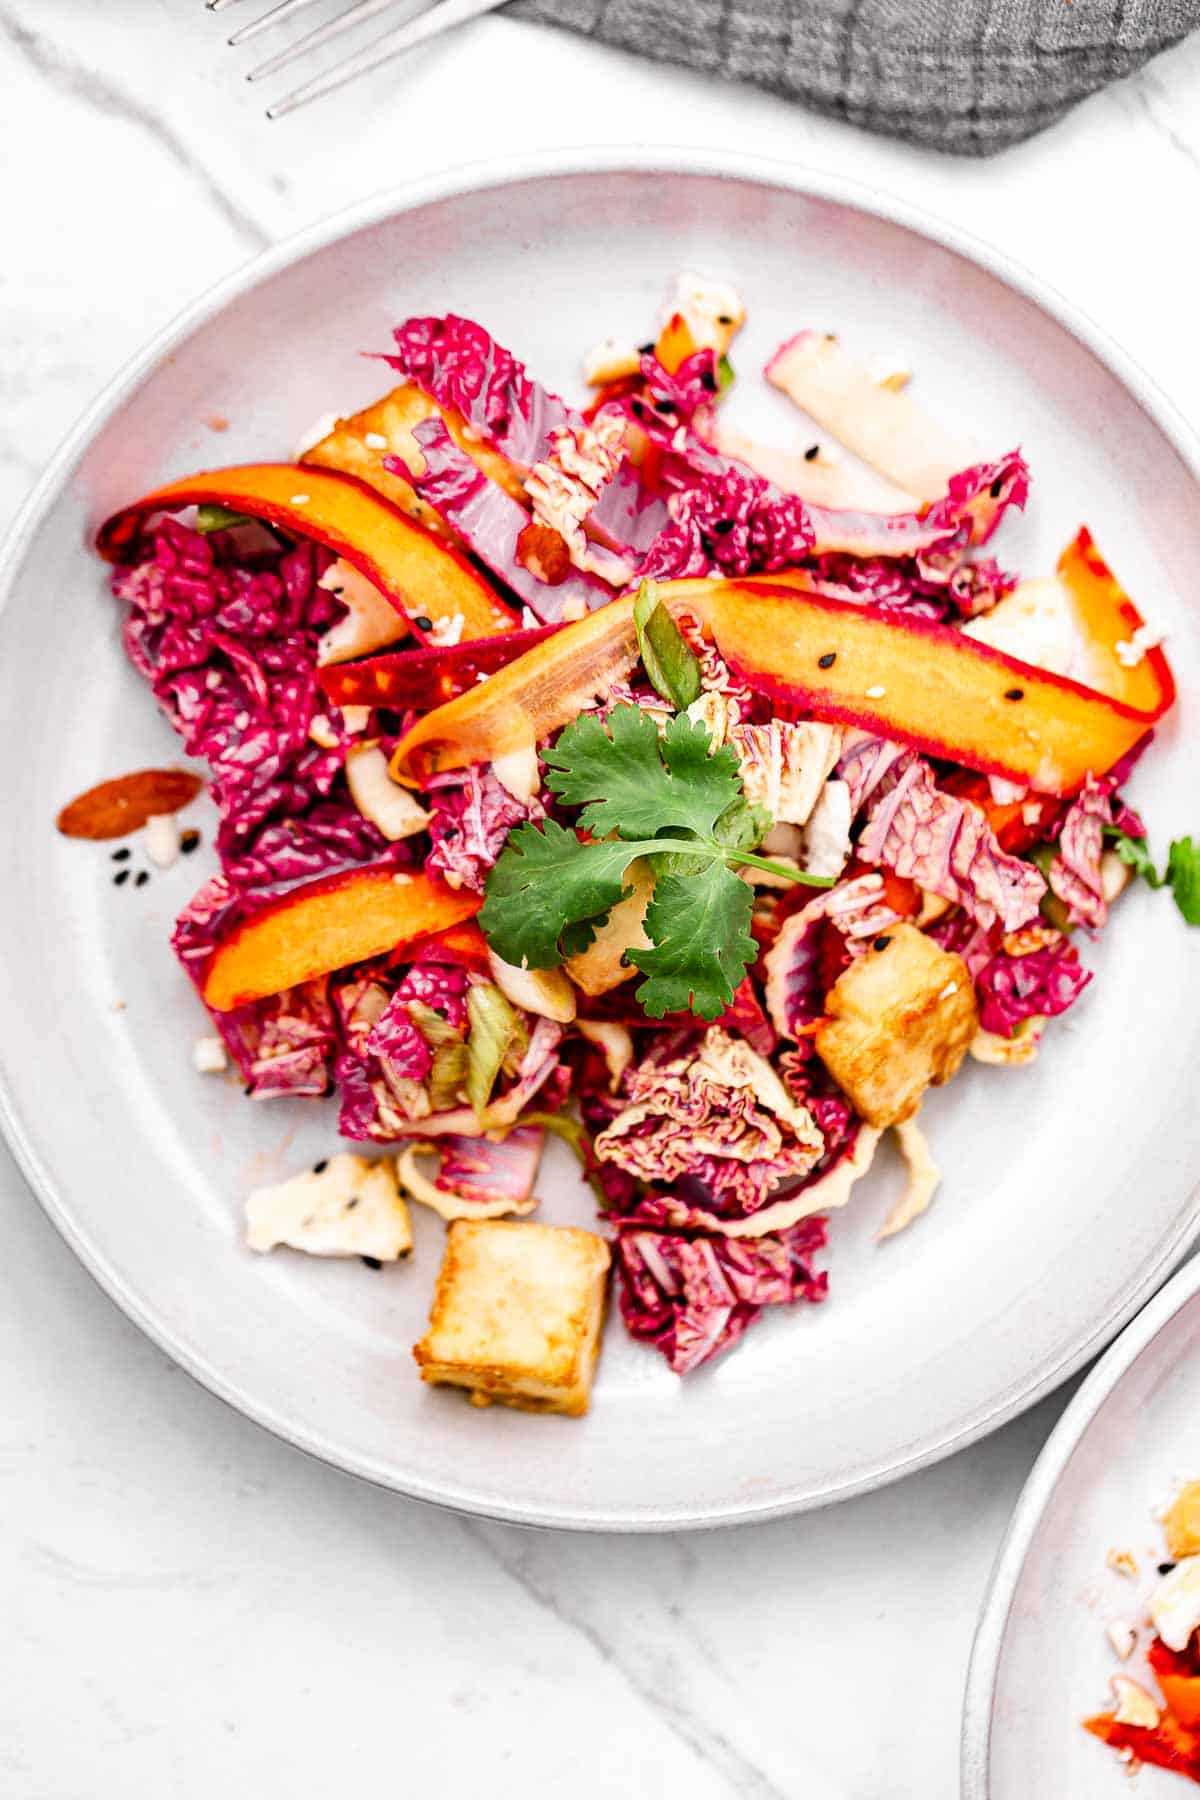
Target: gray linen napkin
(968, 76)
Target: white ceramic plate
(1068, 1190)
(1042, 1661)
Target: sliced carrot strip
(423, 578)
(328, 924)
(922, 682)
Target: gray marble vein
(1147, 95)
(74, 79)
(515, 1554)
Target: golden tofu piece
(517, 1314)
(898, 1020)
(1183, 1522)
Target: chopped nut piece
(162, 839)
(1182, 1521)
(1123, 1638)
(516, 1315)
(371, 622)
(1122, 1562)
(1134, 1705)
(388, 806)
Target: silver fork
(444, 15)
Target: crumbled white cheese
(1134, 1705)
(320, 428)
(208, 1056)
(388, 806)
(350, 1207)
(1175, 1604)
(162, 839)
(1130, 651)
(322, 733)
(1123, 1638)
(612, 359)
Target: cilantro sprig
(675, 802)
(1181, 875)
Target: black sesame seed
(1165, 1568)
(248, 1088)
(1014, 693)
(141, 878)
(319, 1168)
(812, 453)
(189, 841)
(423, 622)
(724, 318)
(637, 409)
(121, 855)
(997, 487)
(827, 661)
(372, 1262)
(120, 877)
(708, 381)
(667, 407)
(645, 349)
(723, 527)
(351, 1203)
(881, 943)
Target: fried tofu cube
(898, 1020)
(516, 1315)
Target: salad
(1162, 1729)
(591, 769)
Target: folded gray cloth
(969, 76)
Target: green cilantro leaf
(548, 892)
(699, 924)
(677, 803)
(673, 668)
(628, 782)
(1183, 873)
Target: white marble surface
(189, 1607)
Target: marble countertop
(189, 1606)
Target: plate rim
(1036, 1495)
(450, 183)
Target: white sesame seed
(876, 693)
(300, 499)
(375, 440)
(162, 839)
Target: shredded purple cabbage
(692, 1297)
(471, 815)
(229, 647)
(1041, 984)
